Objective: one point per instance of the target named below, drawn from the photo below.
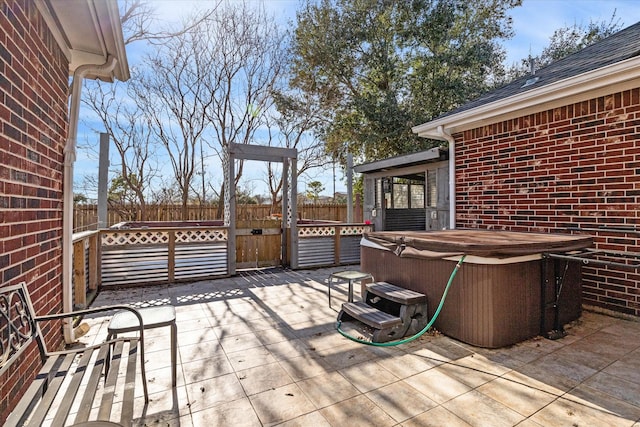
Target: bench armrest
(57, 316)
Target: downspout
(67, 213)
(452, 175)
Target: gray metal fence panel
(134, 265)
(195, 261)
(316, 251)
(350, 249)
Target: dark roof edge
(429, 155)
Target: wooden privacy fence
(86, 216)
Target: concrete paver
(261, 349)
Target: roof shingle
(622, 45)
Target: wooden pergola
(288, 157)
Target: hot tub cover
(485, 243)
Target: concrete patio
(260, 349)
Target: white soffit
(88, 32)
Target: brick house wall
(33, 129)
(573, 166)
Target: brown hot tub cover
(484, 243)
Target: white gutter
(446, 136)
(67, 204)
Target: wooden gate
(258, 243)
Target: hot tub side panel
(487, 305)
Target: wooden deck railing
(162, 254)
(329, 244)
(148, 255)
(86, 267)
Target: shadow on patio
(260, 348)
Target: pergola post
(230, 210)
(293, 209)
(285, 208)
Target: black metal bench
(79, 383)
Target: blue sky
(535, 21)
(533, 24)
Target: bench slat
(129, 386)
(31, 396)
(72, 391)
(110, 382)
(60, 372)
(87, 398)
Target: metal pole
(334, 179)
(230, 210)
(103, 177)
(204, 191)
(349, 188)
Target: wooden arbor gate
(289, 235)
(259, 243)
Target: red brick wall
(574, 166)
(33, 128)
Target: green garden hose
(420, 333)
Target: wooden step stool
(393, 312)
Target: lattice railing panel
(146, 237)
(354, 230)
(201, 236)
(321, 231)
(227, 187)
(326, 231)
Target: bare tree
(127, 118)
(137, 17)
(203, 87)
(139, 22)
(171, 90)
(292, 124)
(244, 59)
(131, 136)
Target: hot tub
(497, 296)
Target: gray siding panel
(150, 264)
(320, 251)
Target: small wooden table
(152, 317)
(349, 276)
